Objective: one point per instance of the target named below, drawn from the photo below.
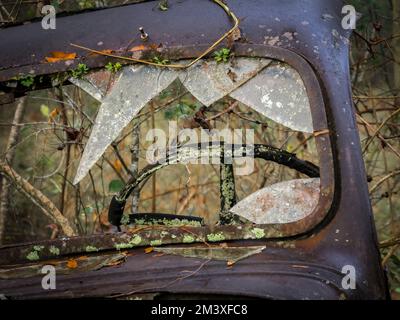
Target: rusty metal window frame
(139, 237)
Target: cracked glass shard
(88, 87)
(134, 88)
(283, 202)
(278, 93)
(231, 254)
(97, 83)
(209, 81)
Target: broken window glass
(145, 124)
(272, 90)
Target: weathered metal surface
(25, 11)
(270, 274)
(63, 266)
(306, 268)
(283, 202)
(141, 236)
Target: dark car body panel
(311, 270)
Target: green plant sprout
(222, 55)
(27, 81)
(113, 67)
(79, 71)
(160, 60)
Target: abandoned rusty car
(284, 62)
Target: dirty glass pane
(133, 89)
(210, 81)
(283, 202)
(278, 93)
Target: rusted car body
(306, 263)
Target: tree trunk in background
(38, 198)
(135, 167)
(396, 48)
(9, 158)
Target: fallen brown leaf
(59, 56)
(72, 264)
(149, 250)
(53, 114)
(140, 47)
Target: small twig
(37, 197)
(191, 273)
(95, 200)
(55, 171)
(391, 175)
(376, 97)
(114, 168)
(391, 242)
(60, 96)
(124, 165)
(380, 137)
(380, 128)
(390, 254)
(186, 201)
(229, 109)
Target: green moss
(125, 219)
(258, 233)
(54, 250)
(181, 223)
(135, 241)
(120, 246)
(33, 256)
(188, 238)
(155, 243)
(164, 234)
(214, 237)
(140, 221)
(168, 222)
(38, 248)
(91, 249)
